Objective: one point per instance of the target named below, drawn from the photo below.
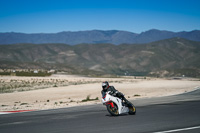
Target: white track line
(17, 111)
(2, 113)
(177, 130)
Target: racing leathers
(114, 92)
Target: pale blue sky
(51, 16)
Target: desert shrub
(23, 103)
(88, 99)
(4, 73)
(40, 74)
(55, 85)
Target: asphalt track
(179, 114)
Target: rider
(106, 87)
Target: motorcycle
(116, 106)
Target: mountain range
(96, 36)
(174, 56)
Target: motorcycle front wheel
(132, 110)
(113, 110)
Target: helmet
(105, 85)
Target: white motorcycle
(115, 105)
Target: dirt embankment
(83, 90)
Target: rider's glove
(115, 94)
(111, 93)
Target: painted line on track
(16, 111)
(178, 130)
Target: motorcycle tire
(113, 110)
(132, 110)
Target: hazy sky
(50, 16)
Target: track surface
(153, 115)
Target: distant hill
(175, 56)
(95, 37)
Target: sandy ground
(72, 95)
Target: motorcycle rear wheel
(113, 110)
